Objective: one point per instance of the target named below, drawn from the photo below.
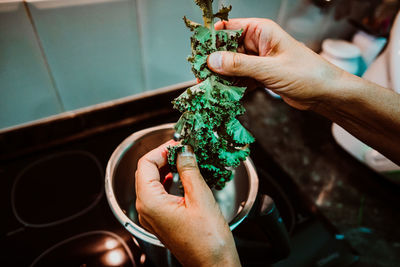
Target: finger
(242, 23)
(235, 24)
(241, 49)
(260, 36)
(219, 25)
(237, 64)
(147, 174)
(196, 189)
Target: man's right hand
(282, 64)
(307, 81)
(192, 227)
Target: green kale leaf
(239, 134)
(223, 13)
(208, 122)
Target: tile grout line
(52, 80)
(141, 45)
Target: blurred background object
(343, 54)
(372, 16)
(385, 72)
(63, 55)
(370, 46)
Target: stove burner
(95, 248)
(57, 189)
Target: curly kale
(210, 108)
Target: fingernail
(187, 151)
(215, 60)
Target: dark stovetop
(52, 190)
(56, 210)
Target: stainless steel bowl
(235, 200)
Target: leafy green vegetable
(223, 13)
(208, 122)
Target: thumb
(192, 180)
(237, 64)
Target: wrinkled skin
(307, 81)
(273, 58)
(192, 227)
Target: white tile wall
(26, 91)
(254, 8)
(166, 40)
(98, 50)
(92, 47)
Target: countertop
(360, 203)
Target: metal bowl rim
(135, 229)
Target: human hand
(271, 56)
(192, 227)
(307, 81)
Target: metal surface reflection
(142, 259)
(115, 257)
(110, 243)
(94, 248)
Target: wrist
(367, 111)
(230, 258)
(340, 91)
(220, 251)
(224, 254)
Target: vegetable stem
(208, 122)
(208, 17)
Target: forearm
(366, 110)
(306, 81)
(219, 254)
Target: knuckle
(141, 220)
(143, 223)
(140, 161)
(268, 22)
(142, 209)
(185, 162)
(236, 61)
(258, 31)
(187, 165)
(192, 173)
(146, 208)
(139, 207)
(268, 25)
(187, 171)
